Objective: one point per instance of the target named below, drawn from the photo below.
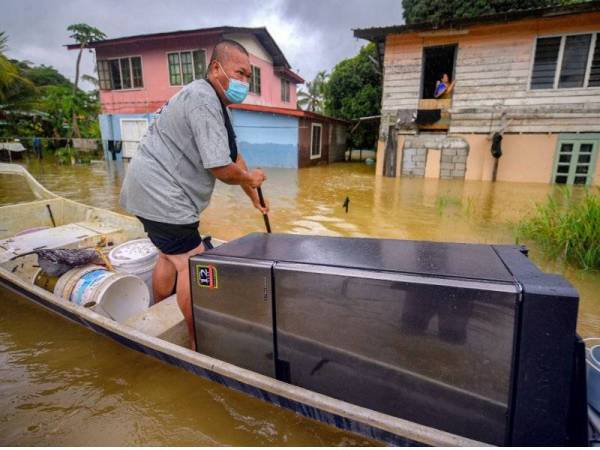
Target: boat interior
(53, 222)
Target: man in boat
(171, 178)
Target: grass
(567, 228)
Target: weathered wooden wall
(493, 69)
(304, 141)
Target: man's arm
(233, 174)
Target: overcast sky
(313, 34)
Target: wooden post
(389, 163)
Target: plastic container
(43, 280)
(67, 281)
(117, 296)
(137, 257)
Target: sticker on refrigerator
(206, 276)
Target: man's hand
(257, 205)
(255, 178)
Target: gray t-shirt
(168, 178)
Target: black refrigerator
(468, 338)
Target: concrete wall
(266, 139)
(525, 157)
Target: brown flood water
(61, 384)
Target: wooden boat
(160, 331)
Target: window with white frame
(255, 80)
(567, 61)
(285, 91)
(185, 67)
(315, 140)
(120, 73)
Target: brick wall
(453, 157)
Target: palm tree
(15, 90)
(83, 34)
(8, 71)
(312, 98)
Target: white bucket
(117, 296)
(120, 296)
(67, 281)
(137, 257)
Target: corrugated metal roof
(378, 34)
(286, 112)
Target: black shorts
(172, 239)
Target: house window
(570, 61)
(121, 73)
(315, 141)
(575, 159)
(255, 80)
(104, 75)
(285, 91)
(185, 67)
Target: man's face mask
(237, 90)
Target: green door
(575, 161)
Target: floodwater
(60, 384)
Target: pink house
(137, 74)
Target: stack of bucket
(117, 296)
(137, 257)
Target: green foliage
(45, 76)
(40, 101)
(568, 228)
(436, 11)
(353, 91)
(65, 155)
(83, 33)
(311, 99)
(15, 89)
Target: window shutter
(594, 80)
(125, 73)
(115, 74)
(136, 68)
(174, 69)
(104, 75)
(199, 64)
(187, 68)
(574, 61)
(544, 66)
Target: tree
(16, 91)
(312, 98)
(353, 91)
(83, 34)
(437, 11)
(46, 76)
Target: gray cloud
(313, 34)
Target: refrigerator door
(232, 305)
(433, 350)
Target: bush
(567, 228)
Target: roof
(378, 34)
(286, 112)
(261, 33)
